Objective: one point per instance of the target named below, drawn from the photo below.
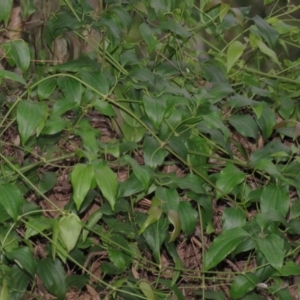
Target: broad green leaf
(223, 245)
(272, 247)
(53, 276)
(71, 88)
(47, 182)
(229, 178)
(147, 290)
(25, 258)
(92, 221)
(266, 50)
(168, 197)
(154, 154)
(188, 217)
(174, 219)
(104, 108)
(243, 284)
(275, 198)
(54, 125)
(266, 219)
(69, 230)
(233, 217)
(155, 235)
(107, 182)
(36, 225)
(213, 120)
(266, 121)
(178, 146)
(12, 76)
(5, 10)
(155, 109)
(290, 268)
(95, 80)
(119, 258)
(175, 28)
(30, 115)
(234, 52)
(19, 52)
(267, 32)
(148, 36)
(11, 200)
(245, 125)
(19, 282)
(81, 178)
(46, 88)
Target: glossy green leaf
(69, 230)
(107, 182)
(233, 217)
(30, 115)
(245, 125)
(25, 258)
(81, 178)
(155, 109)
(234, 52)
(71, 88)
(188, 217)
(229, 178)
(174, 219)
(223, 245)
(275, 198)
(147, 290)
(53, 276)
(12, 76)
(46, 88)
(243, 284)
(11, 200)
(272, 247)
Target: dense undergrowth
(149, 150)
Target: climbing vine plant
(149, 150)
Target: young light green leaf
(229, 178)
(154, 215)
(4, 294)
(272, 247)
(245, 125)
(269, 52)
(25, 258)
(174, 219)
(155, 109)
(11, 199)
(69, 230)
(107, 182)
(30, 115)
(147, 290)
(53, 276)
(188, 217)
(243, 284)
(81, 178)
(275, 197)
(234, 52)
(223, 245)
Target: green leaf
(104, 108)
(4, 294)
(290, 268)
(243, 284)
(92, 221)
(95, 80)
(18, 284)
(53, 276)
(25, 259)
(47, 182)
(107, 182)
(11, 200)
(223, 245)
(154, 154)
(267, 32)
(245, 125)
(233, 217)
(275, 198)
(176, 28)
(5, 10)
(266, 50)
(154, 215)
(168, 197)
(12, 76)
(36, 225)
(147, 290)
(174, 219)
(119, 258)
(148, 36)
(69, 230)
(272, 247)
(266, 121)
(188, 217)
(81, 178)
(155, 109)
(178, 146)
(29, 116)
(229, 178)
(71, 88)
(234, 52)
(46, 88)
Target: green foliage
(150, 147)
